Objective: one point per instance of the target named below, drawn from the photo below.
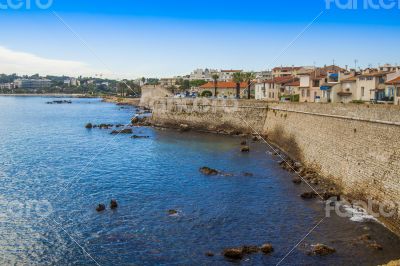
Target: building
(225, 89)
(7, 86)
(32, 84)
(204, 74)
(346, 92)
(273, 89)
(389, 68)
(168, 82)
(371, 86)
(227, 75)
(393, 87)
(72, 82)
(279, 72)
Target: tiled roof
(223, 84)
(376, 74)
(395, 81)
(351, 79)
(295, 83)
(280, 80)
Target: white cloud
(27, 64)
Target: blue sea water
(54, 172)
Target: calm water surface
(50, 164)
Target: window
(362, 91)
(308, 93)
(398, 92)
(302, 93)
(370, 78)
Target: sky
(155, 38)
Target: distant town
(284, 83)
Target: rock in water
(309, 195)
(184, 128)
(243, 143)
(245, 149)
(233, 253)
(393, 263)
(172, 212)
(113, 204)
(100, 207)
(123, 131)
(322, 250)
(267, 248)
(250, 249)
(296, 180)
(208, 171)
(209, 254)
(89, 125)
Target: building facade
(32, 84)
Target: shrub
(206, 94)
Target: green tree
(238, 79)
(248, 77)
(215, 77)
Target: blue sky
(129, 38)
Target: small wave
(358, 214)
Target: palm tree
(248, 77)
(238, 78)
(215, 77)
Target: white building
(32, 84)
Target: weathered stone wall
(356, 146)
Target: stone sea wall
(355, 146)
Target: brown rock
(89, 126)
(184, 128)
(267, 248)
(113, 204)
(245, 149)
(208, 171)
(172, 212)
(297, 180)
(309, 195)
(375, 246)
(322, 250)
(243, 143)
(100, 207)
(209, 254)
(250, 249)
(233, 253)
(123, 131)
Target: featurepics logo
(25, 4)
(362, 4)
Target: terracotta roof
(280, 80)
(295, 83)
(395, 81)
(351, 79)
(376, 74)
(223, 84)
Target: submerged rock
(267, 248)
(123, 131)
(233, 253)
(297, 180)
(100, 207)
(113, 204)
(375, 246)
(309, 195)
(245, 149)
(248, 174)
(139, 137)
(322, 250)
(172, 212)
(209, 254)
(184, 128)
(250, 249)
(243, 143)
(208, 171)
